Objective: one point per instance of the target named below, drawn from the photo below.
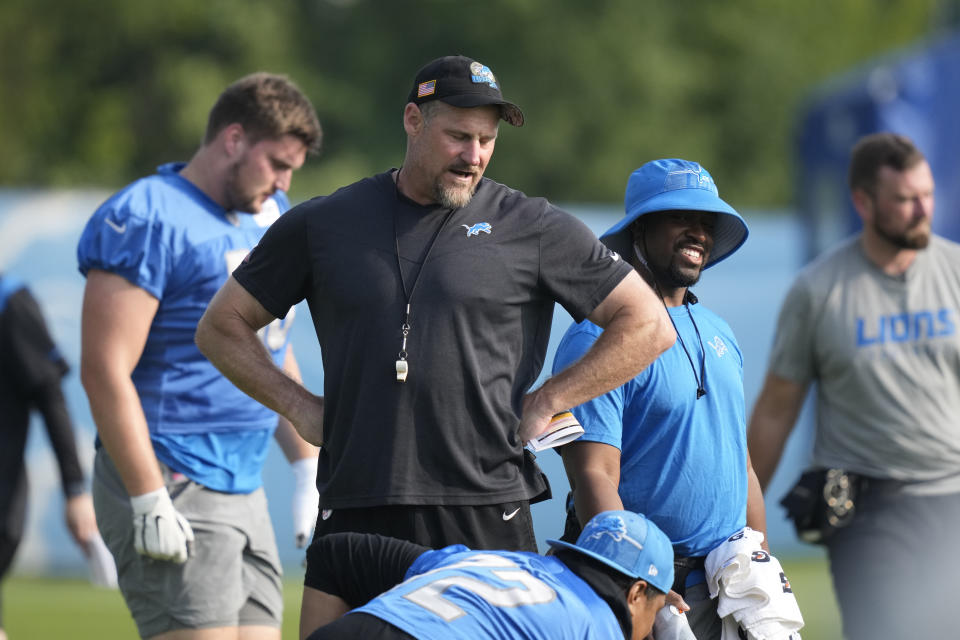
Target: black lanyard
(401, 364)
(702, 378)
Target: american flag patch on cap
(426, 88)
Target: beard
(675, 277)
(452, 197)
(915, 237)
(457, 196)
(237, 198)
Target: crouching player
(611, 583)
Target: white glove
(159, 531)
(306, 500)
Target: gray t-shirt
(885, 354)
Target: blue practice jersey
(494, 595)
(683, 460)
(166, 236)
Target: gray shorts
(232, 578)
(895, 566)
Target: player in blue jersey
(177, 486)
(611, 583)
(671, 443)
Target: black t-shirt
(31, 369)
(480, 315)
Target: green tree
(99, 93)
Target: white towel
(103, 571)
(754, 591)
(731, 560)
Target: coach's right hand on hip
(159, 531)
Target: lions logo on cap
(610, 525)
(689, 179)
(481, 74)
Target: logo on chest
(475, 229)
(905, 327)
(718, 346)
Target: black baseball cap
(462, 82)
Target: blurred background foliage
(99, 93)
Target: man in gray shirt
(874, 323)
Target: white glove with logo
(159, 531)
(306, 500)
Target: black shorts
(13, 513)
(359, 625)
(507, 526)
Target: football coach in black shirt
(432, 290)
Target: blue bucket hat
(629, 543)
(671, 185)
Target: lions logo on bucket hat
(629, 543)
(677, 185)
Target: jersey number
(530, 590)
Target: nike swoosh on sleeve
(119, 228)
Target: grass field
(38, 608)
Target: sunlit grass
(38, 608)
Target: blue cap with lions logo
(629, 543)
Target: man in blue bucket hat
(610, 583)
(671, 443)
